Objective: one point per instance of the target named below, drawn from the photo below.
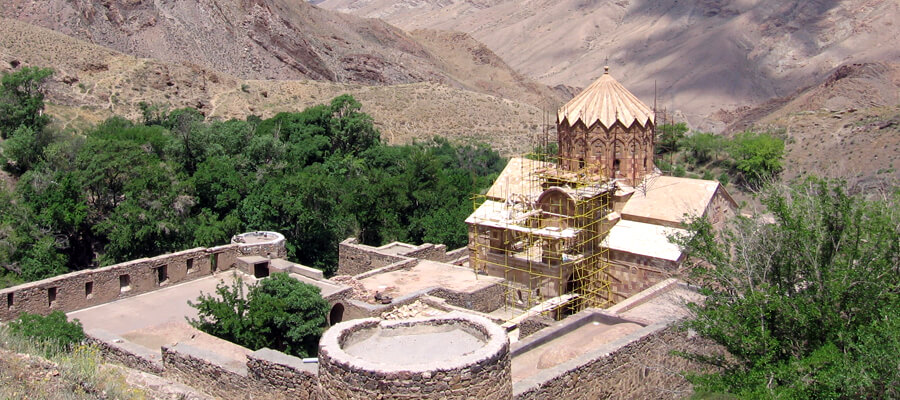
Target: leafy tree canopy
(807, 305)
(22, 100)
(279, 312)
(757, 156)
(124, 189)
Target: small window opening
(124, 283)
(616, 164)
(89, 289)
(580, 163)
(162, 274)
(9, 300)
(190, 265)
(645, 162)
(51, 296)
(261, 270)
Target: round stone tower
(455, 356)
(608, 130)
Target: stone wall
(209, 372)
(285, 376)
(533, 324)
(355, 258)
(404, 263)
(721, 209)
(87, 288)
(486, 299)
(483, 374)
(629, 277)
(638, 366)
(118, 350)
(428, 251)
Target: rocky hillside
(92, 83)
(847, 126)
(275, 39)
(702, 56)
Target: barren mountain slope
(274, 39)
(703, 55)
(92, 83)
(847, 126)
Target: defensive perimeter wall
(92, 287)
(633, 363)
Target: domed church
(608, 126)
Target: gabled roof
(605, 101)
(667, 200)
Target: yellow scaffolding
(544, 236)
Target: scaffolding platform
(541, 227)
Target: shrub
(54, 328)
(724, 179)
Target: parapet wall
(639, 366)
(87, 288)
(118, 350)
(267, 374)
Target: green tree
(807, 305)
(669, 137)
(703, 147)
(22, 100)
(756, 156)
(352, 131)
(279, 313)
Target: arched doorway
(337, 314)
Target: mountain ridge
(694, 58)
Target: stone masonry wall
(534, 323)
(645, 368)
(428, 251)
(285, 377)
(120, 351)
(209, 373)
(355, 258)
(483, 300)
(628, 278)
(87, 288)
(486, 378)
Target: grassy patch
(44, 370)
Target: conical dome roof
(605, 101)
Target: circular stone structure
(453, 356)
(263, 243)
(258, 237)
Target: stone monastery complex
(566, 289)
